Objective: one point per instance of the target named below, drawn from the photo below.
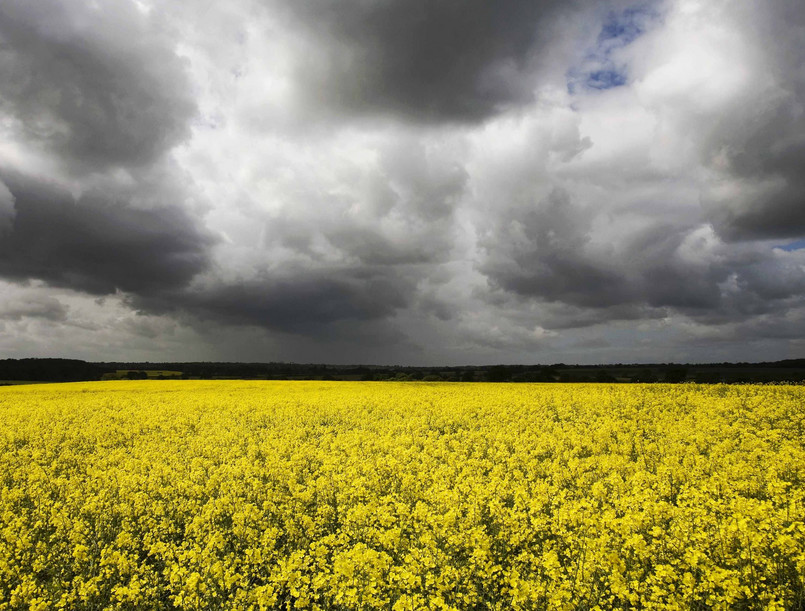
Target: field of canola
(339, 495)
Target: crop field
(338, 495)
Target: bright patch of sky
(603, 67)
(792, 246)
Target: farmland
(340, 495)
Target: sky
(402, 181)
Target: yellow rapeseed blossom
(336, 495)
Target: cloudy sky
(403, 181)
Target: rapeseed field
(337, 495)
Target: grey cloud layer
(758, 139)
(98, 85)
(33, 306)
(447, 186)
(6, 210)
(305, 303)
(423, 59)
(607, 261)
(547, 253)
(96, 244)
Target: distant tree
(499, 373)
(676, 374)
(50, 370)
(604, 376)
(645, 375)
(707, 377)
(531, 376)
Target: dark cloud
(547, 254)
(6, 209)
(760, 142)
(306, 303)
(777, 215)
(541, 252)
(429, 60)
(558, 316)
(96, 244)
(767, 162)
(97, 83)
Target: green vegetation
(66, 370)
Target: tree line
(72, 370)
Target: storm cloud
(97, 245)
(97, 84)
(6, 210)
(549, 254)
(303, 303)
(759, 146)
(395, 181)
(424, 60)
